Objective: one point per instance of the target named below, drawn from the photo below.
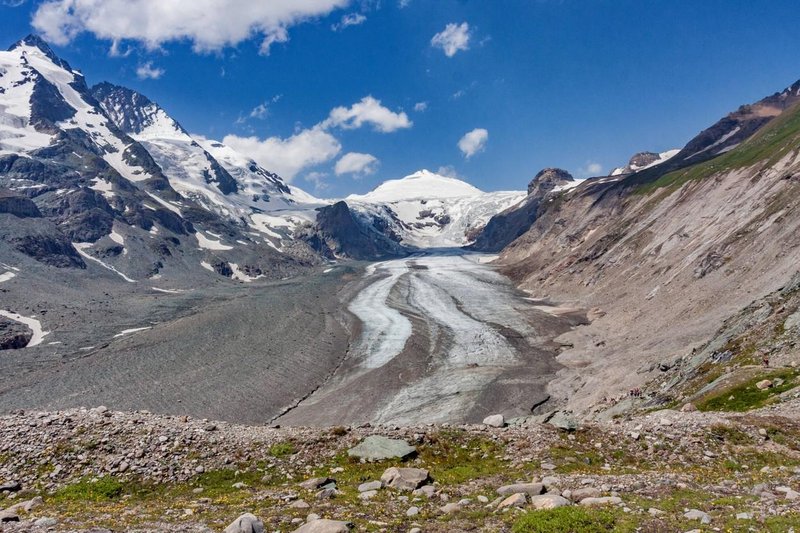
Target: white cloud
(318, 179)
(289, 156)
(420, 107)
(591, 169)
(13, 3)
(260, 111)
(208, 24)
(147, 71)
(453, 38)
(356, 163)
(403, 3)
(473, 142)
(449, 171)
(352, 19)
(368, 111)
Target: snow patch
(81, 246)
(129, 331)
(6, 276)
(31, 322)
(209, 244)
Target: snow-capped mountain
(111, 180)
(427, 210)
(644, 160)
(115, 194)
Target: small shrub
(104, 489)
(566, 520)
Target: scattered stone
(695, 514)
(548, 501)
(370, 485)
(563, 421)
(299, 504)
(483, 499)
(450, 508)
(367, 495)
(530, 489)
(743, 516)
(764, 384)
(316, 482)
(585, 492)
(496, 421)
(605, 500)
(325, 526)
(11, 486)
(515, 500)
(378, 448)
(655, 512)
(428, 491)
(412, 511)
(247, 523)
(45, 522)
(405, 478)
(688, 408)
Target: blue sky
(578, 84)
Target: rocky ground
(670, 470)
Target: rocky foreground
(97, 470)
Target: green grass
(568, 520)
(747, 396)
(767, 146)
(86, 490)
(282, 449)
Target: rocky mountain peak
(547, 179)
(34, 41)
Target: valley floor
(436, 337)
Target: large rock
(325, 526)
(378, 448)
(496, 421)
(548, 501)
(604, 500)
(515, 500)
(247, 523)
(562, 420)
(405, 478)
(531, 489)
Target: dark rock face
(503, 228)
(13, 335)
(18, 206)
(341, 233)
(642, 159)
(40, 239)
(547, 179)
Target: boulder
(696, 514)
(531, 489)
(495, 421)
(316, 483)
(325, 526)
(247, 523)
(370, 485)
(404, 478)
(586, 492)
(605, 500)
(562, 420)
(378, 448)
(548, 501)
(763, 384)
(515, 500)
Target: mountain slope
(98, 187)
(667, 254)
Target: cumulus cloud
(289, 156)
(356, 163)
(147, 71)
(452, 38)
(419, 107)
(352, 19)
(368, 111)
(209, 24)
(473, 142)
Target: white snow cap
(421, 184)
